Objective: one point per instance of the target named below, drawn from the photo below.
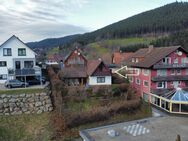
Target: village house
(78, 70)
(163, 74)
(17, 60)
(54, 59)
(119, 58)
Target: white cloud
(37, 19)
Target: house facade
(160, 69)
(78, 70)
(17, 60)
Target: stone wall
(16, 104)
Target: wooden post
(178, 138)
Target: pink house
(161, 69)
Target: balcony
(25, 71)
(168, 66)
(170, 78)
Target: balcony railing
(166, 66)
(170, 78)
(25, 71)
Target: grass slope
(25, 128)
(104, 49)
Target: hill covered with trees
(163, 20)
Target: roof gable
(78, 51)
(14, 37)
(158, 53)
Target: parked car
(15, 83)
(36, 81)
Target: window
(166, 60)
(3, 77)
(7, 52)
(133, 60)
(161, 85)
(161, 72)
(176, 61)
(3, 63)
(184, 60)
(21, 52)
(178, 71)
(145, 72)
(28, 64)
(100, 79)
(187, 71)
(146, 84)
(137, 81)
(136, 60)
(172, 72)
(131, 79)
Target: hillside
(163, 20)
(160, 21)
(52, 42)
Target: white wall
(14, 44)
(93, 80)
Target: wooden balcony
(170, 78)
(169, 66)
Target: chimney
(150, 48)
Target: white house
(17, 60)
(78, 70)
(98, 73)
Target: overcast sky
(33, 20)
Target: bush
(102, 113)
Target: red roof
(118, 57)
(150, 57)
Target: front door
(18, 64)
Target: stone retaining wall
(16, 104)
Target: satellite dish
(180, 53)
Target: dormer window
(7, 52)
(166, 60)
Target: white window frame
(162, 85)
(137, 81)
(101, 78)
(144, 83)
(166, 60)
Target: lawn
(25, 128)
(22, 91)
(143, 112)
